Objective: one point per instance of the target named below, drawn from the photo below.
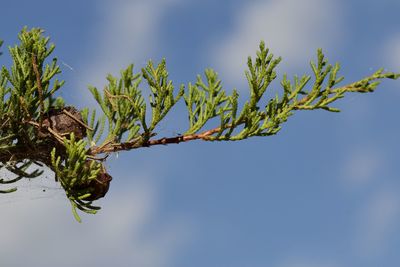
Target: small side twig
(54, 133)
(76, 119)
(40, 90)
(5, 122)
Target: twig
(56, 135)
(40, 90)
(76, 119)
(114, 147)
(5, 122)
(109, 95)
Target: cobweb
(37, 188)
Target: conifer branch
(37, 128)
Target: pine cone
(98, 187)
(63, 124)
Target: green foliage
(162, 97)
(37, 128)
(74, 171)
(33, 50)
(205, 101)
(123, 106)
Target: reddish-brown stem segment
(114, 147)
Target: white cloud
(380, 213)
(362, 166)
(391, 51)
(127, 31)
(44, 233)
(292, 29)
(376, 223)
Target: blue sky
(324, 192)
